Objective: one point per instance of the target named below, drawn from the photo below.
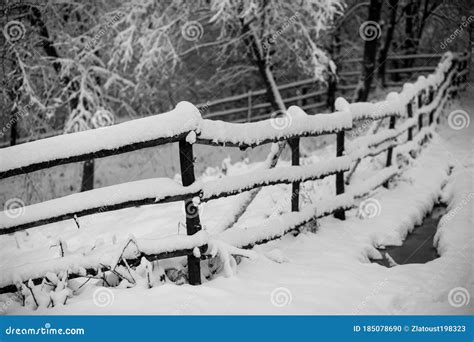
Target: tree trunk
(331, 92)
(382, 61)
(332, 78)
(370, 55)
(13, 131)
(13, 128)
(14, 114)
(411, 10)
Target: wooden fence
(309, 94)
(185, 126)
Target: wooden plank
(244, 146)
(411, 70)
(197, 192)
(105, 152)
(295, 226)
(289, 179)
(244, 110)
(91, 211)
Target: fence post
(340, 213)
(410, 115)
(420, 114)
(430, 99)
(193, 224)
(391, 125)
(420, 99)
(249, 105)
(295, 160)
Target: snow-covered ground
(323, 270)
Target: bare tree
(155, 37)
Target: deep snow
(327, 272)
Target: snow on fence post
(193, 224)
(295, 161)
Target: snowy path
(324, 273)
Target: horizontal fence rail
(103, 142)
(417, 107)
(308, 94)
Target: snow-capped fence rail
(248, 107)
(185, 126)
